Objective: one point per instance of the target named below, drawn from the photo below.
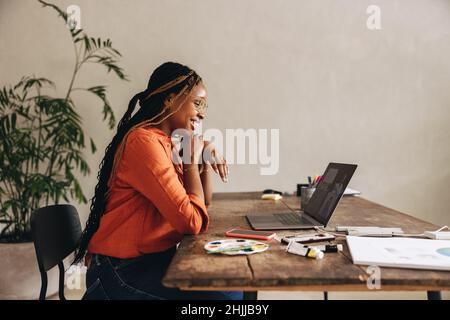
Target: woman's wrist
(195, 159)
(204, 168)
(190, 167)
(192, 180)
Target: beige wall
(336, 90)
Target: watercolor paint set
(235, 247)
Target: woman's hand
(191, 175)
(197, 146)
(213, 158)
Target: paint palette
(235, 246)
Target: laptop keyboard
(291, 219)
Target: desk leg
(434, 295)
(250, 295)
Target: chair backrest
(56, 231)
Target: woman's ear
(169, 100)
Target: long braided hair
(169, 78)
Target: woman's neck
(164, 127)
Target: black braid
(148, 109)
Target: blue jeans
(140, 278)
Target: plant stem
(77, 67)
(5, 229)
(69, 91)
(38, 153)
(11, 190)
(39, 135)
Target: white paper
(351, 192)
(400, 252)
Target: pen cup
(306, 194)
(299, 188)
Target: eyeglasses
(200, 105)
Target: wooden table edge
(330, 288)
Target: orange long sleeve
(148, 209)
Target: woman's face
(191, 112)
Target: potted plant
(41, 150)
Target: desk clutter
(367, 246)
(300, 244)
(310, 245)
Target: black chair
(56, 231)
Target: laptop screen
(329, 191)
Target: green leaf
(87, 45)
(100, 92)
(93, 146)
(37, 82)
(13, 121)
(111, 64)
(76, 33)
(60, 12)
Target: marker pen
(330, 248)
(301, 250)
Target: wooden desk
(274, 269)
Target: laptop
(320, 207)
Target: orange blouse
(148, 209)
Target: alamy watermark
(73, 17)
(374, 20)
(238, 146)
(374, 279)
(74, 276)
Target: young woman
(145, 201)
